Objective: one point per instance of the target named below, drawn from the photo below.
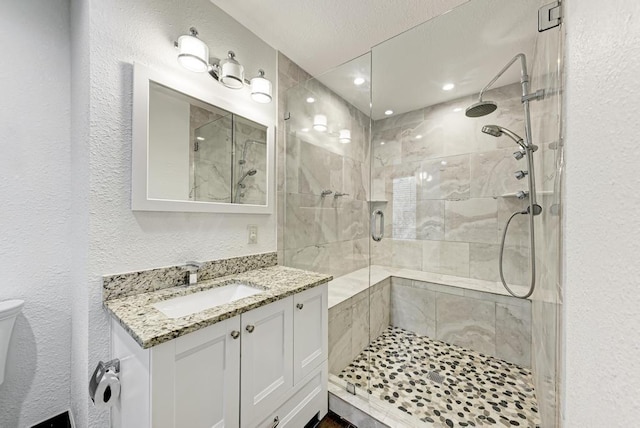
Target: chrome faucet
(193, 267)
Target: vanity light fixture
(261, 88)
(344, 136)
(448, 86)
(193, 54)
(320, 123)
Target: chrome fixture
(344, 136)
(520, 174)
(326, 192)
(229, 72)
(519, 154)
(261, 88)
(320, 123)
(241, 185)
(193, 267)
(336, 195)
(377, 214)
(249, 173)
(482, 108)
(193, 54)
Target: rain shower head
(481, 108)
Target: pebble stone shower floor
(444, 385)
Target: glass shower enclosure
(393, 190)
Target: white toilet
(9, 310)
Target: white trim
(140, 201)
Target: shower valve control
(519, 154)
(522, 194)
(520, 174)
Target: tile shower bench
(475, 314)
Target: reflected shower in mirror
(199, 152)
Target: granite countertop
(150, 327)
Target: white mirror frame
(142, 77)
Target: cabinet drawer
(310, 331)
(310, 397)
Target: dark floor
(334, 421)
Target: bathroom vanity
(259, 361)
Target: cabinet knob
(276, 422)
(250, 328)
(300, 306)
(235, 334)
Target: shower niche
(194, 153)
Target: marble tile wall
(323, 234)
(355, 322)
(492, 324)
(441, 183)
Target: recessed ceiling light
(382, 143)
(305, 130)
(358, 81)
(443, 163)
(457, 109)
(200, 138)
(448, 86)
(311, 100)
(388, 112)
(418, 137)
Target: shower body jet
(482, 108)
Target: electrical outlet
(253, 233)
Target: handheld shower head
(481, 108)
(498, 131)
(249, 173)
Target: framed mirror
(194, 151)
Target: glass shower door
(326, 205)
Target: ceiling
(466, 46)
(318, 35)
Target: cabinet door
(196, 379)
(310, 331)
(267, 356)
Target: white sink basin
(182, 306)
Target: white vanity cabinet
(267, 359)
(266, 367)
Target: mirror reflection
(199, 152)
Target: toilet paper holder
(104, 370)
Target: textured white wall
(602, 233)
(121, 32)
(35, 195)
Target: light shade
(320, 123)
(261, 88)
(344, 136)
(231, 72)
(193, 53)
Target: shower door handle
(377, 236)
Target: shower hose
(532, 253)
